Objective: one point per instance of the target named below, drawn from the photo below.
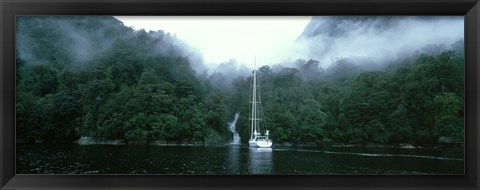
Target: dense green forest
(420, 100)
(93, 76)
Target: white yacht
(259, 135)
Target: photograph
(240, 95)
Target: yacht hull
(261, 144)
(252, 143)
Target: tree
(312, 121)
(399, 125)
(137, 129)
(448, 126)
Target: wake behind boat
(259, 135)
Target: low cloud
(378, 39)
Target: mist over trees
(375, 39)
(133, 85)
(93, 76)
(420, 100)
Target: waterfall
(236, 137)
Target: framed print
(239, 94)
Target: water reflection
(260, 160)
(102, 159)
(233, 159)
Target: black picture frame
(11, 8)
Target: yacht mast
(257, 139)
(255, 94)
(254, 103)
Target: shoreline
(85, 141)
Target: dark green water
(106, 159)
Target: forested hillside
(93, 76)
(420, 100)
(123, 84)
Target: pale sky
(220, 39)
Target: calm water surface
(107, 159)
